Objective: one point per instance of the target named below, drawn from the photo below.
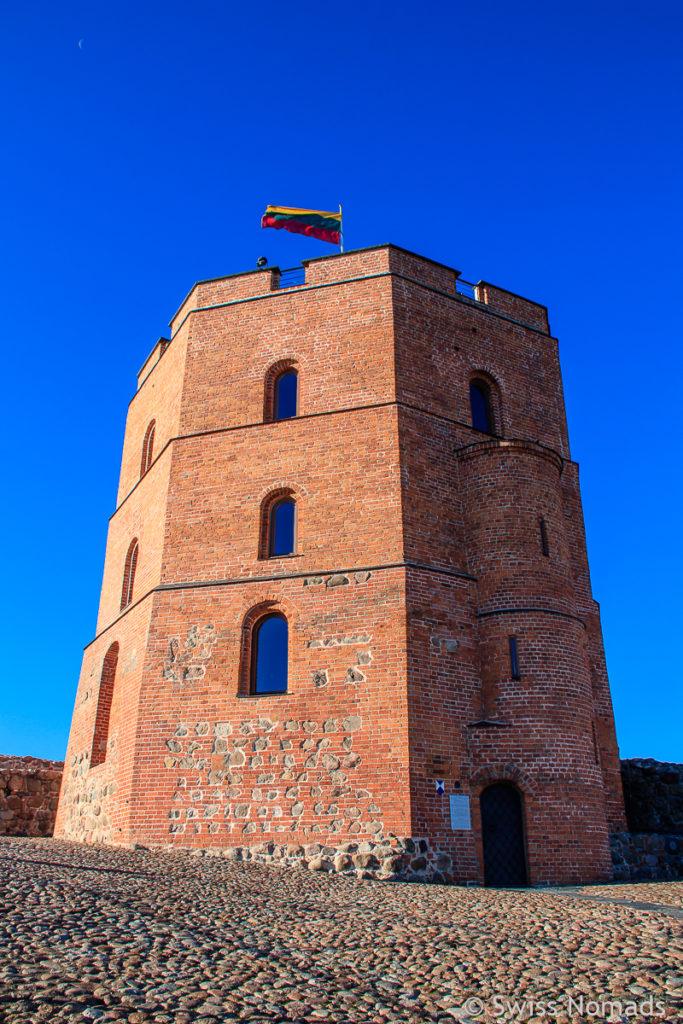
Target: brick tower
(346, 597)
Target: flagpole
(341, 230)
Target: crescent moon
(80, 44)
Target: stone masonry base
(401, 860)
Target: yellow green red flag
(315, 223)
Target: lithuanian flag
(315, 223)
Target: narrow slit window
(285, 403)
(282, 528)
(544, 536)
(147, 448)
(514, 658)
(480, 406)
(129, 575)
(269, 653)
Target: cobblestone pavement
(667, 893)
(101, 934)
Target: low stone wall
(29, 793)
(398, 859)
(639, 856)
(653, 794)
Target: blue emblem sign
(439, 785)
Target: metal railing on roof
(292, 277)
(466, 288)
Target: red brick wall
(341, 337)
(418, 554)
(513, 306)
(336, 744)
(443, 342)
(345, 516)
(158, 399)
(94, 802)
(141, 515)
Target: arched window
(278, 524)
(285, 395)
(281, 390)
(129, 574)
(281, 534)
(480, 406)
(269, 648)
(104, 699)
(147, 449)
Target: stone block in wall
(29, 794)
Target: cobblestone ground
(100, 934)
(670, 893)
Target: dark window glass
(282, 528)
(544, 536)
(269, 656)
(514, 658)
(480, 404)
(285, 396)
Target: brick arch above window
(508, 773)
(287, 485)
(271, 393)
(129, 569)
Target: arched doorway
(502, 829)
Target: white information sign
(460, 812)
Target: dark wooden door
(503, 836)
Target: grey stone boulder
(365, 860)
(319, 864)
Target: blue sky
(535, 145)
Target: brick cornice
(276, 424)
(531, 611)
(274, 578)
(504, 445)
